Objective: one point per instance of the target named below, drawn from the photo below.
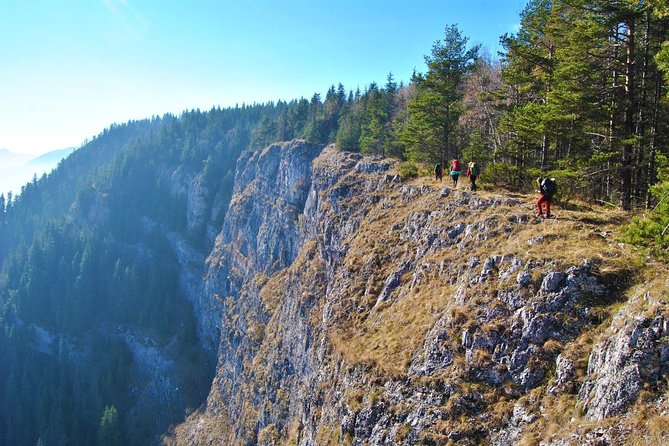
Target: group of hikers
(472, 172)
(547, 186)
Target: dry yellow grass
(209, 431)
(389, 335)
(331, 437)
(654, 432)
(389, 339)
(269, 435)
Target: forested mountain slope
(98, 261)
(101, 266)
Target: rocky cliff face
(352, 307)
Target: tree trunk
(612, 115)
(628, 146)
(640, 180)
(544, 139)
(651, 173)
(444, 153)
(544, 152)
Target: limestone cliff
(353, 307)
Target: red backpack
(455, 166)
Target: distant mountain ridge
(9, 158)
(17, 169)
(54, 156)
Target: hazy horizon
(17, 169)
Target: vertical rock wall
(354, 308)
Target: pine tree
(584, 96)
(109, 433)
(348, 133)
(374, 120)
(434, 111)
(651, 232)
(315, 129)
(530, 61)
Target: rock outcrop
(633, 354)
(356, 308)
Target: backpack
(549, 186)
(437, 168)
(455, 165)
(474, 169)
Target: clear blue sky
(70, 68)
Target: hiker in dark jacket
(455, 171)
(473, 173)
(547, 188)
(438, 172)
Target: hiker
(455, 171)
(438, 172)
(473, 172)
(547, 188)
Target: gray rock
(621, 364)
(348, 424)
(565, 375)
(392, 282)
(490, 267)
(367, 419)
(436, 353)
(456, 230)
(524, 278)
(373, 166)
(197, 207)
(535, 240)
(512, 299)
(552, 281)
(515, 265)
(425, 189)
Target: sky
(71, 68)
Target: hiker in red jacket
(455, 171)
(547, 188)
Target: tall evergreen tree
(530, 60)
(315, 128)
(583, 94)
(374, 120)
(110, 428)
(434, 111)
(483, 105)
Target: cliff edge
(353, 307)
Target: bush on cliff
(408, 169)
(650, 232)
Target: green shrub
(569, 183)
(650, 232)
(408, 169)
(514, 178)
(505, 176)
